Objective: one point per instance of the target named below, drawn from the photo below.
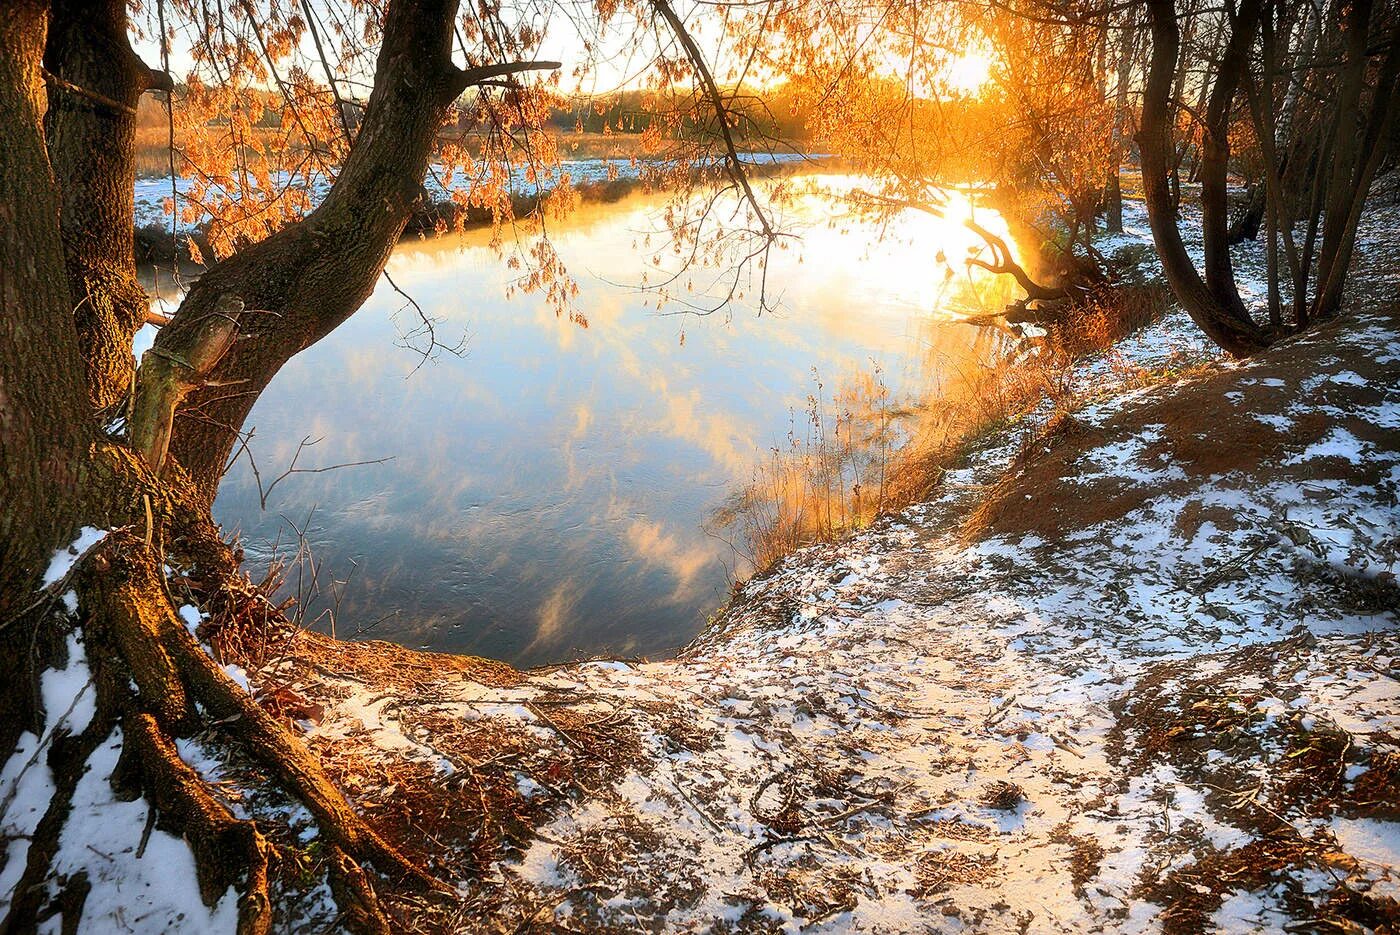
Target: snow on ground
(139, 883)
(1180, 713)
(1101, 730)
(139, 878)
(1177, 709)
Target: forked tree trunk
(152, 682)
(90, 129)
(1223, 323)
(299, 284)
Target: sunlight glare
(943, 240)
(969, 72)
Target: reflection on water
(548, 490)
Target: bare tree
(1319, 161)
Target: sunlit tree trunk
(1127, 51)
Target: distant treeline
(773, 113)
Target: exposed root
(67, 757)
(287, 758)
(128, 618)
(359, 906)
(222, 698)
(228, 851)
(155, 683)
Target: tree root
(353, 893)
(287, 758)
(225, 848)
(133, 638)
(155, 683)
(67, 756)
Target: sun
(967, 73)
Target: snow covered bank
(1140, 672)
(1175, 706)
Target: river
(545, 494)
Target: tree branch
(484, 74)
(707, 81)
(1003, 263)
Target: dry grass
(831, 476)
(153, 148)
(940, 870)
(854, 457)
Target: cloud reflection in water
(548, 489)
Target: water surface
(548, 490)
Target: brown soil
(391, 667)
(1204, 434)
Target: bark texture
(44, 429)
(1224, 322)
(95, 81)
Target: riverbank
(444, 205)
(1134, 670)
(1142, 674)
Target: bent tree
(123, 461)
(1321, 148)
(80, 448)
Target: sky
(619, 61)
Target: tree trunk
(45, 423)
(151, 681)
(306, 279)
(1345, 152)
(1223, 324)
(1113, 198)
(1344, 212)
(1215, 160)
(1246, 224)
(90, 129)
(1312, 18)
